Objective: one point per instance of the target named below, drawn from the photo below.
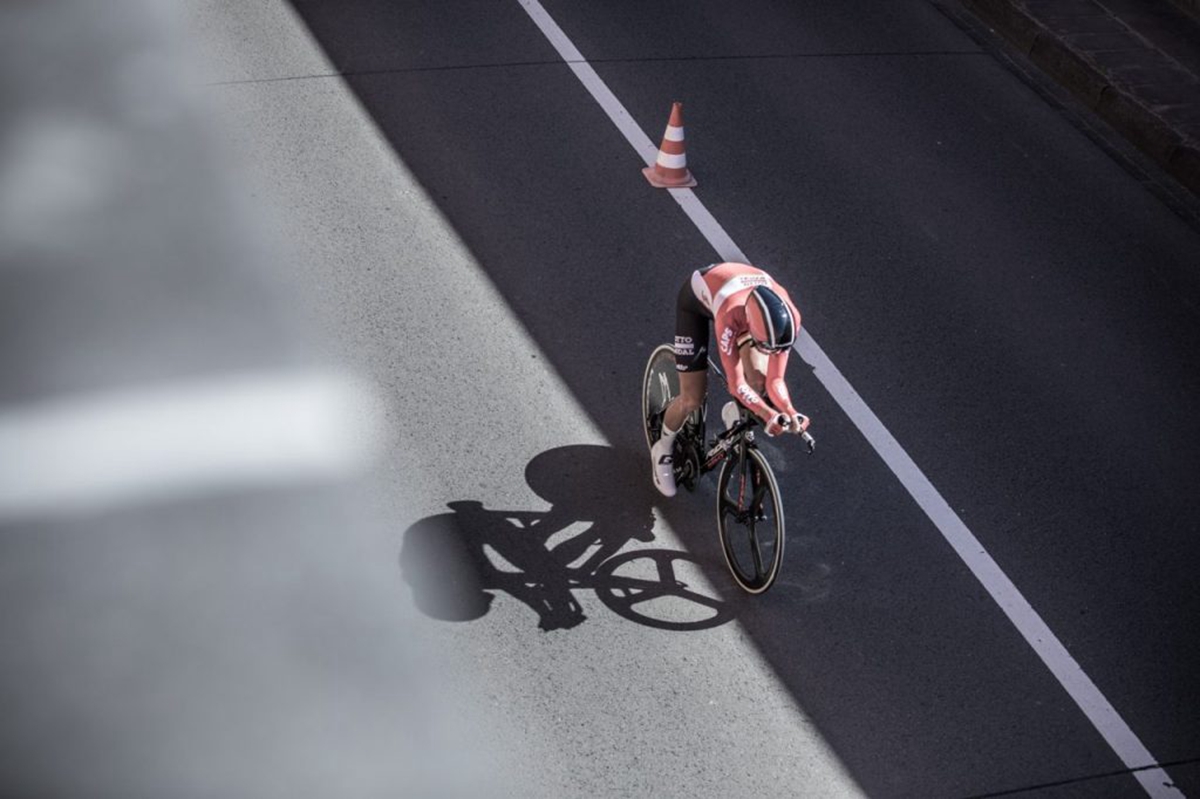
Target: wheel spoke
(755, 549)
(666, 571)
(756, 505)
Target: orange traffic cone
(670, 168)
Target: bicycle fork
(752, 508)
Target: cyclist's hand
(799, 426)
(797, 423)
(777, 424)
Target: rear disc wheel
(660, 385)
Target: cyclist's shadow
(601, 503)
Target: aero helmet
(772, 324)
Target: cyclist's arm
(739, 388)
(777, 390)
(777, 393)
(729, 347)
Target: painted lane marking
(79, 455)
(1098, 710)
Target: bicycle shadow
(456, 562)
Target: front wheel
(750, 520)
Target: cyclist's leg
(691, 354)
(691, 361)
(692, 388)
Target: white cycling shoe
(664, 465)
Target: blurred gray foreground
(191, 601)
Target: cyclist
(755, 324)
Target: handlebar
(749, 420)
(808, 440)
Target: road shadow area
(456, 562)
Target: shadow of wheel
(660, 588)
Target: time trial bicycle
(749, 509)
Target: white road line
(1077, 684)
(84, 454)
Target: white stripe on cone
(668, 161)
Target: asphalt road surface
(453, 216)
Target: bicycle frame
(729, 439)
